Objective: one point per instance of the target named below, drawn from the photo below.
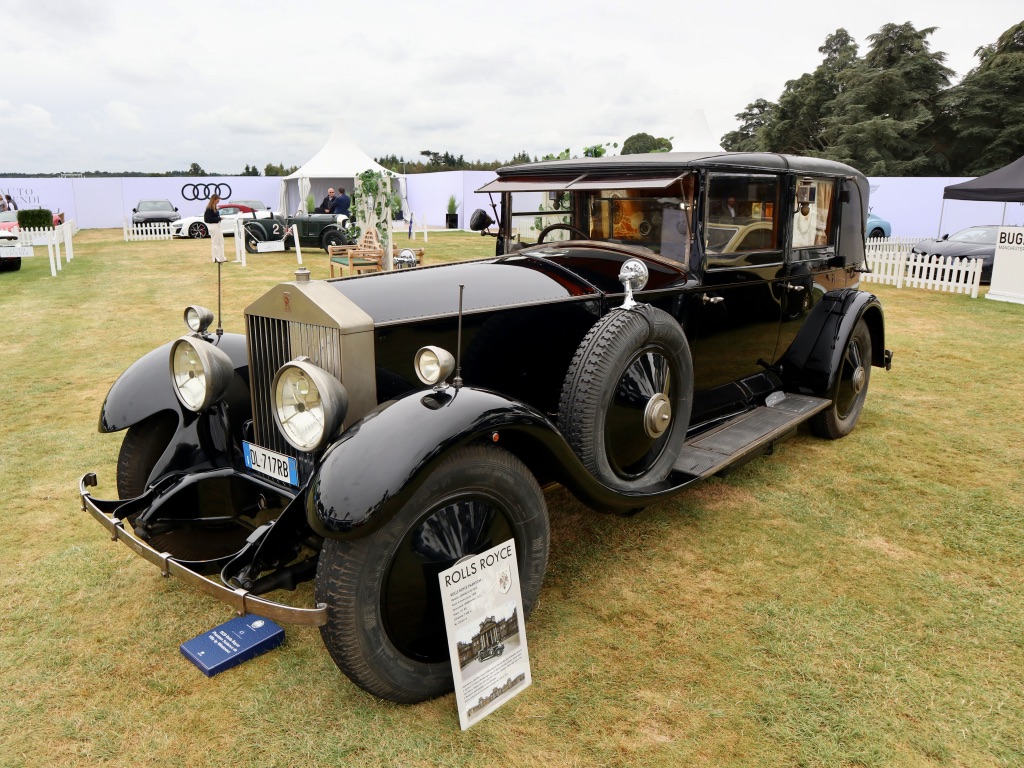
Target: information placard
(1008, 268)
(483, 612)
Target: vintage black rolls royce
(646, 321)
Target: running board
(746, 435)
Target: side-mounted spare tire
(627, 396)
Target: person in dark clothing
(344, 203)
(330, 204)
(13, 206)
(212, 218)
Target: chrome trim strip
(241, 600)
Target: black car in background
(971, 243)
(154, 212)
(647, 321)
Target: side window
(742, 225)
(813, 214)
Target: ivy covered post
(371, 206)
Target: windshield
(9, 216)
(655, 218)
(155, 205)
(980, 235)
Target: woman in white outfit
(212, 219)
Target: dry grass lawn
(857, 603)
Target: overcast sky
(129, 86)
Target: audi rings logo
(204, 191)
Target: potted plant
(451, 219)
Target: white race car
(194, 226)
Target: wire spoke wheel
(626, 398)
(385, 627)
(850, 388)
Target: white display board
(483, 613)
(1008, 267)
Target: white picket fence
(892, 263)
(157, 230)
(53, 238)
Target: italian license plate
(270, 463)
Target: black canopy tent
(1005, 185)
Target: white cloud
(156, 86)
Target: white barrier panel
(158, 230)
(892, 263)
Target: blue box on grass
(231, 643)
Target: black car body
(313, 230)
(339, 440)
(971, 243)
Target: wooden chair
(366, 256)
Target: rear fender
(814, 359)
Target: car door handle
(796, 288)
(712, 299)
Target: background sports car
(877, 227)
(970, 243)
(194, 226)
(154, 212)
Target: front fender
(365, 478)
(379, 462)
(145, 389)
(814, 359)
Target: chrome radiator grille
(272, 343)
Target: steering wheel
(543, 233)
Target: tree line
(893, 111)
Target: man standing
(344, 203)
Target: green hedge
(35, 218)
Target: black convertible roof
(657, 169)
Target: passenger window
(813, 213)
(742, 227)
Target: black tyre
(332, 237)
(385, 627)
(626, 400)
(198, 230)
(10, 265)
(876, 232)
(850, 389)
(143, 444)
(254, 235)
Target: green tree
(253, 171)
(986, 109)
(195, 170)
(884, 119)
(642, 143)
(749, 136)
(279, 170)
(798, 120)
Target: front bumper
(241, 600)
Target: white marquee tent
(335, 165)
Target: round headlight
(200, 372)
(309, 404)
(433, 365)
(198, 319)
